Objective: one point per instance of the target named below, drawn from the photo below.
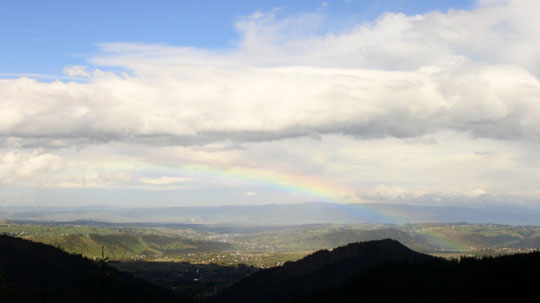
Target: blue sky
(41, 37)
(139, 103)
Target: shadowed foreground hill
(374, 271)
(386, 271)
(35, 272)
(321, 270)
(513, 278)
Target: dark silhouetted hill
(513, 278)
(35, 272)
(374, 271)
(320, 270)
(386, 271)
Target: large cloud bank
(471, 73)
(402, 76)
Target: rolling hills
(264, 246)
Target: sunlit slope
(268, 246)
(119, 243)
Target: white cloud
(355, 107)
(475, 198)
(164, 180)
(498, 33)
(401, 76)
(76, 71)
(272, 103)
(16, 166)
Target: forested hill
(321, 270)
(374, 271)
(35, 272)
(512, 278)
(386, 271)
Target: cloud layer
(401, 76)
(471, 73)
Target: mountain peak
(320, 270)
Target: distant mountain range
(283, 214)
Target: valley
(264, 246)
(198, 262)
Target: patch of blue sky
(42, 37)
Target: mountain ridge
(294, 279)
(286, 214)
(387, 271)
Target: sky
(184, 103)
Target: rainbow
(308, 185)
(313, 187)
(445, 242)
